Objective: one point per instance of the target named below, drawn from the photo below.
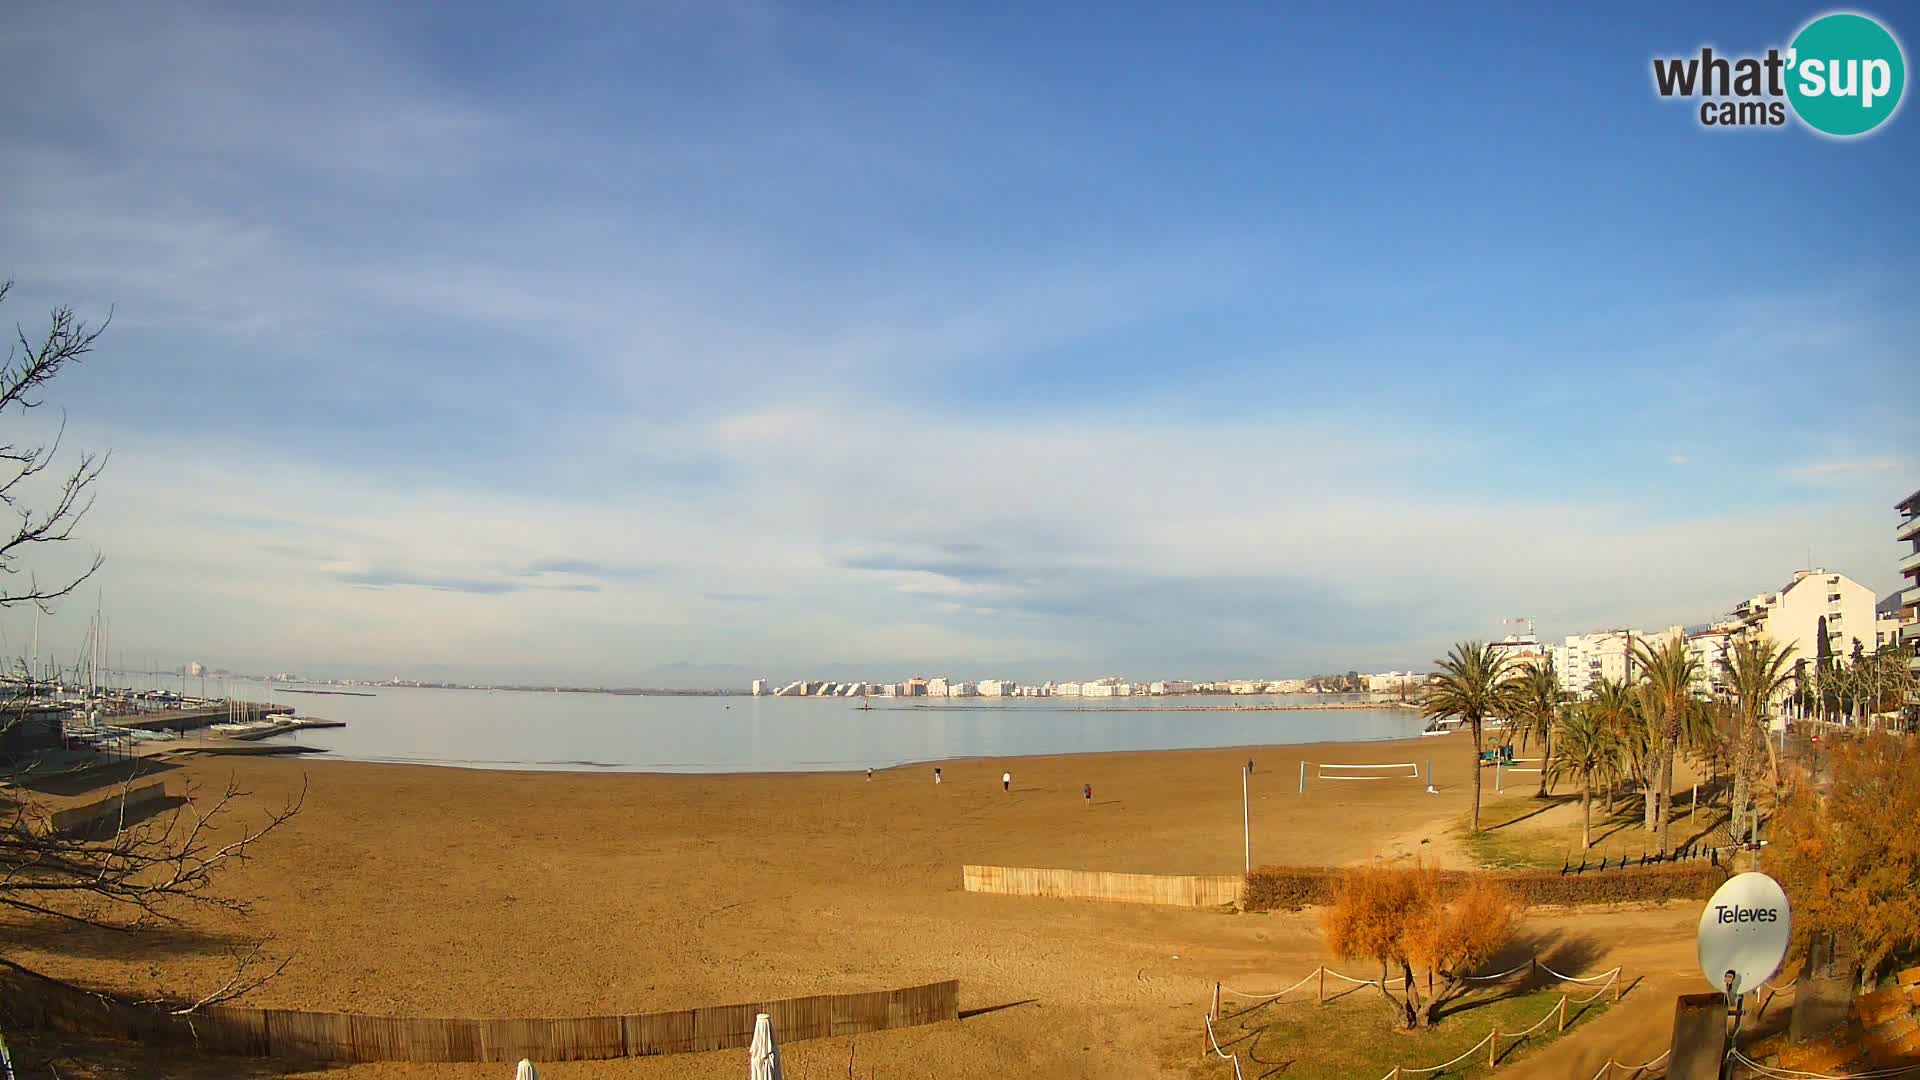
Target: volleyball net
(1362, 770)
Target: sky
(683, 343)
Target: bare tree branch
(118, 875)
(31, 363)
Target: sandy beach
(437, 891)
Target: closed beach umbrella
(763, 1061)
(525, 1071)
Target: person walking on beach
(1087, 790)
(936, 774)
(1006, 781)
(869, 774)
(1249, 766)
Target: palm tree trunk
(1546, 758)
(1586, 812)
(1476, 774)
(1666, 794)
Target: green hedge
(1290, 888)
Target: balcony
(1910, 598)
(1911, 563)
(1908, 529)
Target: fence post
(1533, 973)
(1322, 996)
(1216, 1000)
(1493, 1048)
(1563, 1012)
(1616, 989)
(1303, 776)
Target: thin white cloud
(1835, 471)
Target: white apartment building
(997, 688)
(759, 687)
(1583, 660)
(936, 688)
(1709, 649)
(1908, 533)
(1067, 689)
(1886, 631)
(1793, 616)
(1387, 682)
(961, 689)
(1170, 686)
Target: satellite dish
(1744, 932)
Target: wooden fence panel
(723, 1027)
(804, 1017)
(228, 1029)
(1176, 890)
(309, 1036)
(316, 1036)
(659, 1033)
(856, 1014)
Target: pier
(199, 716)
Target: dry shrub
(1290, 888)
(1411, 916)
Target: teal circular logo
(1845, 74)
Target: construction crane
(1520, 620)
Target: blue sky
(672, 342)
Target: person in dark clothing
(1087, 791)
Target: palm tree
(1613, 703)
(1538, 705)
(1584, 746)
(1668, 675)
(1643, 748)
(1758, 671)
(1474, 683)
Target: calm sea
(530, 730)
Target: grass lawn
(1512, 837)
(1356, 1037)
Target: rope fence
(1792, 1074)
(1606, 1071)
(1233, 1059)
(1609, 976)
(1608, 981)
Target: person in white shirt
(1006, 781)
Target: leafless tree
(113, 873)
(31, 364)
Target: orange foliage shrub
(1411, 916)
(1849, 857)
